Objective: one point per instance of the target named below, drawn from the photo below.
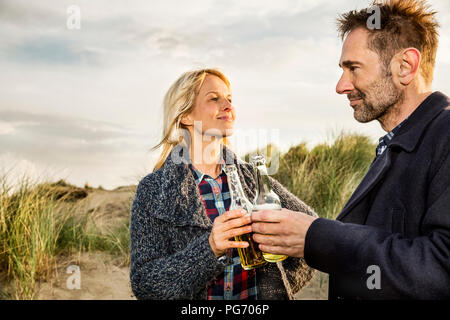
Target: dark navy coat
(392, 239)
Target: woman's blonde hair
(178, 102)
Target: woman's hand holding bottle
(227, 226)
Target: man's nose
(344, 85)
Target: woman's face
(213, 113)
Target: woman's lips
(226, 118)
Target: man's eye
(215, 98)
(353, 68)
(229, 100)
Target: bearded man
(392, 238)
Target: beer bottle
(251, 257)
(266, 198)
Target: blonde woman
(181, 229)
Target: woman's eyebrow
(216, 92)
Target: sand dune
(104, 276)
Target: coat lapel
(406, 139)
(179, 201)
(375, 174)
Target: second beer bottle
(266, 198)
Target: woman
(180, 228)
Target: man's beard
(377, 100)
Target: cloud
(47, 146)
(51, 138)
(90, 99)
(52, 51)
(6, 128)
(9, 127)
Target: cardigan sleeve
(156, 272)
(296, 271)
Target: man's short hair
(404, 24)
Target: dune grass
(28, 235)
(38, 223)
(326, 176)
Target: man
(392, 239)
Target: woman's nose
(227, 105)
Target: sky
(85, 104)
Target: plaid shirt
(384, 141)
(235, 283)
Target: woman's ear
(186, 120)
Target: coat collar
(410, 133)
(179, 201)
(407, 139)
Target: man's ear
(409, 65)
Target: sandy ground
(317, 288)
(101, 278)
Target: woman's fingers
(236, 223)
(232, 214)
(230, 224)
(231, 220)
(237, 232)
(234, 219)
(237, 244)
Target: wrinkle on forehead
(356, 50)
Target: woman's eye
(217, 99)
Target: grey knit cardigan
(170, 253)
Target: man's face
(365, 80)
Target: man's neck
(399, 112)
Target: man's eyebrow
(349, 63)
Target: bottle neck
(266, 196)
(262, 169)
(264, 185)
(238, 197)
(235, 185)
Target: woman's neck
(205, 155)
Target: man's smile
(354, 102)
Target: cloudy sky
(85, 104)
